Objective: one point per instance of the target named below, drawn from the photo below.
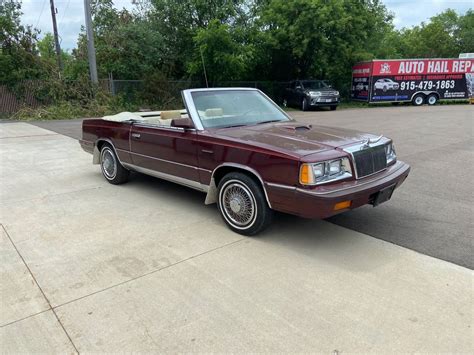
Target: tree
(318, 38)
(126, 44)
(465, 32)
(444, 35)
(223, 57)
(19, 55)
(46, 47)
(179, 22)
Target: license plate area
(383, 195)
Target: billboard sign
(400, 80)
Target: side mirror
(185, 123)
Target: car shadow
(337, 246)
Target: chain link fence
(165, 94)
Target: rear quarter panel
(95, 130)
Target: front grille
(369, 161)
(324, 99)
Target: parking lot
(433, 211)
(146, 266)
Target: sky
(70, 16)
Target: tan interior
(160, 118)
(169, 115)
(164, 118)
(214, 112)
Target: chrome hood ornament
(366, 144)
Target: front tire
(111, 168)
(304, 104)
(242, 204)
(333, 108)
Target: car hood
(294, 138)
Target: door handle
(136, 135)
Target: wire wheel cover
(109, 165)
(238, 204)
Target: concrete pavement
(146, 266)
(432, 212)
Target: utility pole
(90, 42)
(56, 39)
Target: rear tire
(111, 168)
(432, 99)
(242, 204)
(418, 100)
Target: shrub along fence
(118, 94)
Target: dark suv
(310, 93)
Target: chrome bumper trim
(359, 184)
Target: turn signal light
(305, 175)
(342, 205)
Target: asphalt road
(432, 212)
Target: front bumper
(319, 202)
(323, 101)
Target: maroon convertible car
(246, 154)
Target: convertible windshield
(232, 108)
(314, 84)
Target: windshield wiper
(269, 121)
(235, 125)
(241, 125)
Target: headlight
(390, 153)
(323, 172)
(337, 93)
(315, 93)
(335, 167)
(319, 170)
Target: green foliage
(81, 100)
(318, 38)
(127, 46)
(223, 57)
(179, 22)
(444, 36)
(239, 40)
(18, 53)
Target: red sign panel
(361, 70)
(422, 67)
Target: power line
(64, 13)
(41, 13)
